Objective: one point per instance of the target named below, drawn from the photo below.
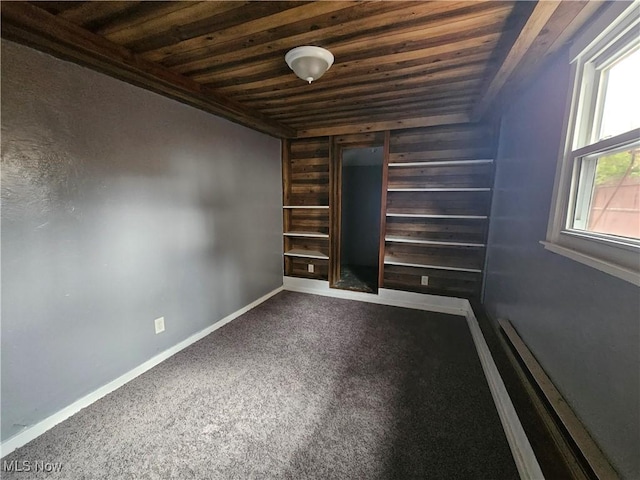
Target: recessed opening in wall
(361, 191)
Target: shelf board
(296, 252)
(439, 190)
(306, 234)
(307, 206)
(389, 261)
(426, 215)
(431, 242)
(441, 163)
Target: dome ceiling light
(309, 63)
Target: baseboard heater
(592, 462)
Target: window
(595, 218)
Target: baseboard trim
(523, 454)
(396, 298)
(41, 427)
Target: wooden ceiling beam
(36, 27)
(405, 101)
(563, 25)
(298, 12)
(532, 28)
(395, 41)
(359, 87)
(84, 13)
(428, 121)
(372, 91)
(359, 68)
(451, 87)
(167, 23)
(399, 108)
(378, 116)
(361, 19)
(380, 74)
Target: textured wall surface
(119, 206)
(581, 324)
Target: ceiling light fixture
(309, 63)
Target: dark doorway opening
(360, 219)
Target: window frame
(619, 256)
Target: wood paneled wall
(438, 204)
(438, 198)
(305, 180)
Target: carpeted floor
(301, 387)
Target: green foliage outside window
(613, 168)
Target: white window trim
(617, 257)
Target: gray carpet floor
(301, 387)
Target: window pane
(608, 196)
(621, 108)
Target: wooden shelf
(426, 215)
(306, 254)
(401, 263)
(417, 241)
(439, 190)
(306, 234)
(306, 206)
(441, 163)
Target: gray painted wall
(581, 324)
(119, 206)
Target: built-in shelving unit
(307, 207)
(306, 234)
(441, 163)
(438, 201)
(305, 176)
(295, 252)
(434, 215)
(418, 241)
(439, 190)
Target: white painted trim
(392, 239)
(598, 264)
(306, 234)
(306, 206)
(396, 298)
(523, 455)
(433, 267)
(440, 163)
(590, 249)
(439, 190)
(428, 215)
(41, 427)
(306, 254)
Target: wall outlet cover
(159, 323)
(310, 268)
(424, 280)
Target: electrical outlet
(159, 322)
(424, 280)
(310, 268)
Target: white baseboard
(523, 455)
(522, 452)
(39, 428)
(396, 298)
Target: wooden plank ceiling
(397, 64)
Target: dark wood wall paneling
(436, 213)
(305, 180)
(438, 204)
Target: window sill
(610, 268)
